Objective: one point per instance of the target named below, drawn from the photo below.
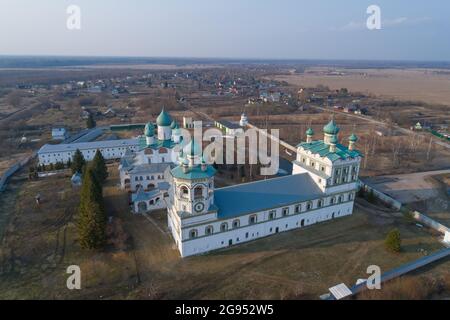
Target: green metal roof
(323, 150)
(158, 144)
(193, 148)
(331, 128)
(353, 138)
(164, 119)
(193, 173)
(149, 130)
(309, 132)
(173, 124)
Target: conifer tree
(78, 162)
(92, 217)
(99, 167)
(90, 122)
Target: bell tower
(193, 182)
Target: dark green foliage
(371, 196)
(99, 167)
(90, 122)
(92, 217)
(78, 162)
(393, 241)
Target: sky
(266, 29)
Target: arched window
(236, 223)
(184, 192)
(252, 219)
(319, 203)
(150, 186)
(332, 200)
(148, 151)
(162, 150)
(193, 233)
(309, 206)
(224, 227)
(340, 199)
(209, 230)
(198, 192)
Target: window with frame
(309, 206)
(236, 223)
(252, 219)
(285, 211)
(224, 227)
(298, 208)
(184, 192)
(209, 230)
(272, 214)
(193, 233)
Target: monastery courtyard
(302, 263)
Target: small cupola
(309, 135)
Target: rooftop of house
(262, 195)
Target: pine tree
(99, 167)
(92, 217)
(90, 122)
(78, 162)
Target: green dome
(149, 129)
(193, 148)
(173, 124)
(353, 138)
(164, 119)
(331, 128)
(309, 132)
(334, 140)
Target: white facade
(322, 188)
(111, 149)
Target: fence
(13, 169)
(430, 222)
(382, 196)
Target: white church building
(144, 171)
(321, 188)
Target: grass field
(41, 241)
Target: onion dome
(333, 140)
(193, 148)
(331, 128)
(353, 138)
(164, 119)
(173, 124)
(149, 130)
(309, 132)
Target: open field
(41, 241)
(427, 85)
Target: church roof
(149, 130)
(158, 144)
(149, 168)
(309, 132)
(353, 137)
(331, 128)
(323, 150)
(164, 119)
(193, 173)
(263, 195)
